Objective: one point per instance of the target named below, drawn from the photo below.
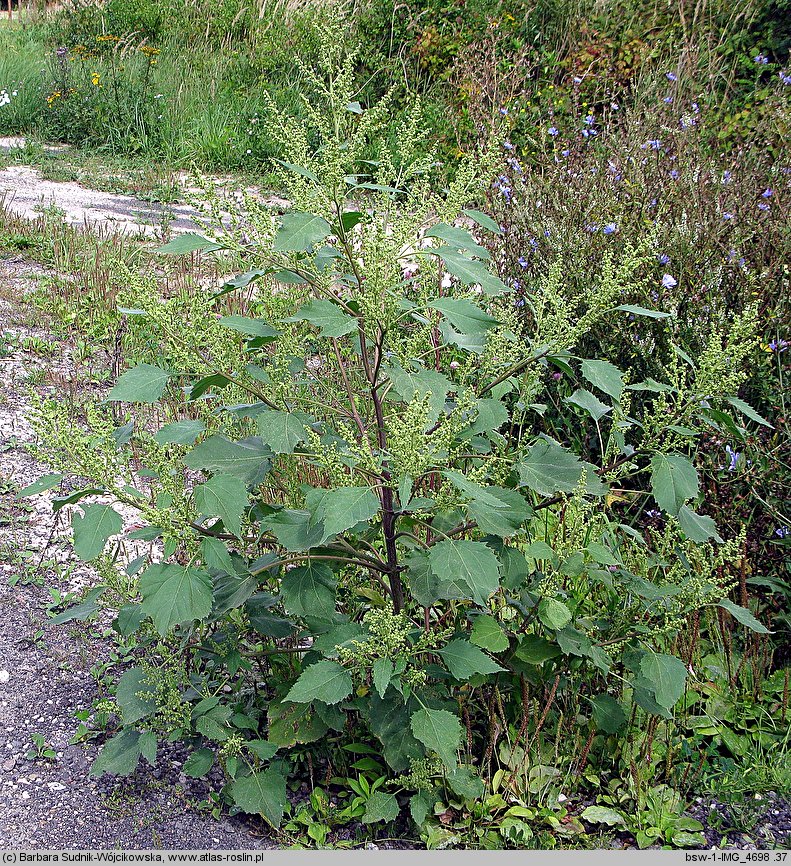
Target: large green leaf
(642, 311)
(135, 696)
(174, 594)
(496, 510)
(246, 460)
(608, 714)
(380, 807)
(483, 220)
(673, 481)
(199, 763)
(324, 681)
(553, 613)
(281, 431)
(389, 722)
(465, 782)
(262, 793)
(747, 409)
(466, 565)
(742, 615)
(470, 321)
(83, 609)
(590, 403)
(488, 633)
(548, 468)
(295, 530)
(603, 815)
(119, 755)
(381, 673)
(144, 383)
(535, 650)
(329, 318)
(604, 376)
(92, 528)
(440, 732)
(458, 238)
(42, 484)
(667, 676)
(249, 327)
(310, 591)
(223, 496)
(180, 432)
(697, 527)
(469, 272)
(465, 660)
(300, 231)
(341, 508)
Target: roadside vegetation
(460, 482)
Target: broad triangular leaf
(465, 660)
(92, 528)
(262, 793)
(608, 714)
(380, 807)
(381, 672)
(747, 409)
(324, 681)
(135, 696)
(697, 527)
(549, 469)
(342, 508)
(488, 634)
(281, 431)
(144, 383)
(590, 403)
(180, 432)
(667, 676)
(329, 318)
(223, 496)
(553, 613)
(189, 242)
(246, 460)
(604, 376)
(673, 481)
(309, 591)
(742, 615)
(174, 594)
(469, 565)
(295, 530)
(300, 231)
(249, 327)
(46, 482)
(440, 732)
(119, 755)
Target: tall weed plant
(382, 553)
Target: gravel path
(45, 671)
(26, 193)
